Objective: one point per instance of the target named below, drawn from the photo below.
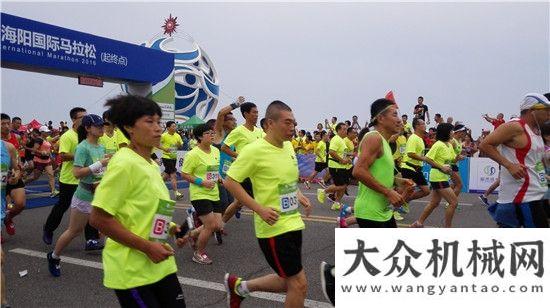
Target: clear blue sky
(325, 59)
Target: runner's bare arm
(504, 134)
(304, 201)
(191, 179)
(337, 157)
(80, 172)
(228, 151)
(488, 118)
(16, 168)
(218, 127)
(66, 156)
(112, 228)
(267, 214)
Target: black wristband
(234, 106)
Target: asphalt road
(81, 280)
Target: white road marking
(418, 201)
(183, 280)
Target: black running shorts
(283, 253)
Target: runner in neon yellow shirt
(238, 139)
(132, 207)
(443, 155)
(411, 165)
(201, 169)
(109, 140)
(459, 133)
(338, 163)
(170, 142)
(320, 157)
(272, 166)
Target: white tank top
(534, 185)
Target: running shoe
(201, 258)
(321, 195)
(404, 209)
(238, 214)
(233, 298)
(345, 211)
(92, 245)
(178, 195)
(416, 224)
(484, 200)
(397, 216)
(458, 206)
(54, 193)
(47, 237)
(336, 206)
(327, 281)
(306, 183)
(218, 236)
(10, 226)
(53, 265)
(341, 221)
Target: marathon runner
(201, 169)
(68, 184)
(519, 148)
(338, 164)
(442, 155)
(272, 166)
(170, 142)
(132, 207)
(374, 170)
(320, 157)
(88, 166)
(43, 160)
(9, 167)
(411, 167)
(225, 124)
(111, 139)
(14, 189)
(240, 137)
(459, 133)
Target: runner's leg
(77, 222)
(449, 195)
(434, 202)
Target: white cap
(44, 129)
(534, 101)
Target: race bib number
(288, 197)
(212, 173)
(5, 175)
(160, 226)
(541, 173)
